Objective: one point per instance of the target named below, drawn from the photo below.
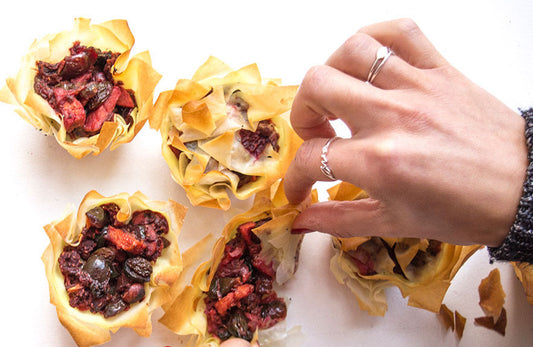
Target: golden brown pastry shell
(185, 316)
(136, 73)
(195, 111)
(425, 288)
(89, 329)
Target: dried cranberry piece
(256, 141)
(134, 293)
(158, 221)
(126, 99)
(78, 64)
(124, 240)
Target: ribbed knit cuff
(518, 245)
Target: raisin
(103, 91)
(97, 217)
(238, 326)
(105, 252)
(274, 310)
(221, 286)
(114, 308)
(98, 268)
(138, 269)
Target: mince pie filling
(109, 268)
(241, 298)
(364, 256)
(82, 90)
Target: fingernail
(299, 231)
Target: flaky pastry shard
(491, 301)
(187, 314)
(524, 272)
(491, 294)
(226, 131)
(136, 74)
(88, 328)
(422, 269)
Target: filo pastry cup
(136, 74)
(88, 328)
(187, 314)
(422, 269)
(205, 122)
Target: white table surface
(490, 41)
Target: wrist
(518, 243)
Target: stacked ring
(382, 54)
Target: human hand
(234, 342)
(439, 157)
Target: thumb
(341, 218)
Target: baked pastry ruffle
(422, 269)
(91, 328)
(226, 131)
(135, 74)
(271, 220)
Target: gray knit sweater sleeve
(518, 245)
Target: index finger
(307, 119)
(345, 158)
(327, 93)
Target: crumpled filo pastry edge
(199, 132)
(186, 316)
(89, 329)
(425, 287)
(136, 73)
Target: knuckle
(407, 27)
(315, 77)
(384, 156)
(358, 42)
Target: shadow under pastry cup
(233, 294)
(226, 132)
(112, 262)
(421, 268)
(81, 86)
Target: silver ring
(324, 167)
(382, 54)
